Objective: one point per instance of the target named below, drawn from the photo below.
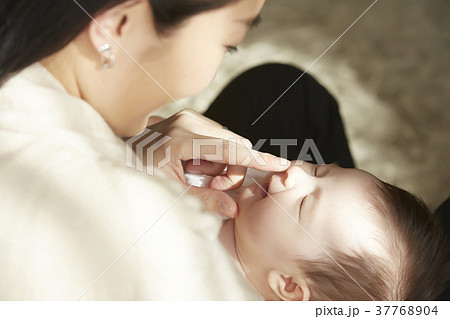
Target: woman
(73, 217)
(75, 223)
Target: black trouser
(306, 111)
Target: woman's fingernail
(278, 161)
(226, 210)
(222, 209)
(247, 143)
(284, 162)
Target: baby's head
(328, 233)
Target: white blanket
(70, 209)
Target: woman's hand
(200, 145)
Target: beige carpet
(390, 74)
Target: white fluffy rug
(390, 73)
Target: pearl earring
(106, 56)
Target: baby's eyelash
(231, 49)
(299, 211)
(301, 202)
(315, 170)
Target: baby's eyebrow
(326, 168)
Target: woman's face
(183, 61)
(187, 60)
(308, 205)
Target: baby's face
(309, 207)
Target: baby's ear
(288, 288)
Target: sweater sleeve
(80, 227)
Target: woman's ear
(112, 25)
(288, 288)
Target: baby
(321, 232)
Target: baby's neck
(228, 240)
(226, 237)
(227, 232)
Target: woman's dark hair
(31, 30)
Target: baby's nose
(296, 174)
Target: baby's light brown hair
(417, 267)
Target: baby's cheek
(259, 228)
(271, 232)
(253, 226)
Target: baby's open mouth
(265, 188)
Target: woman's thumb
(216, 201)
